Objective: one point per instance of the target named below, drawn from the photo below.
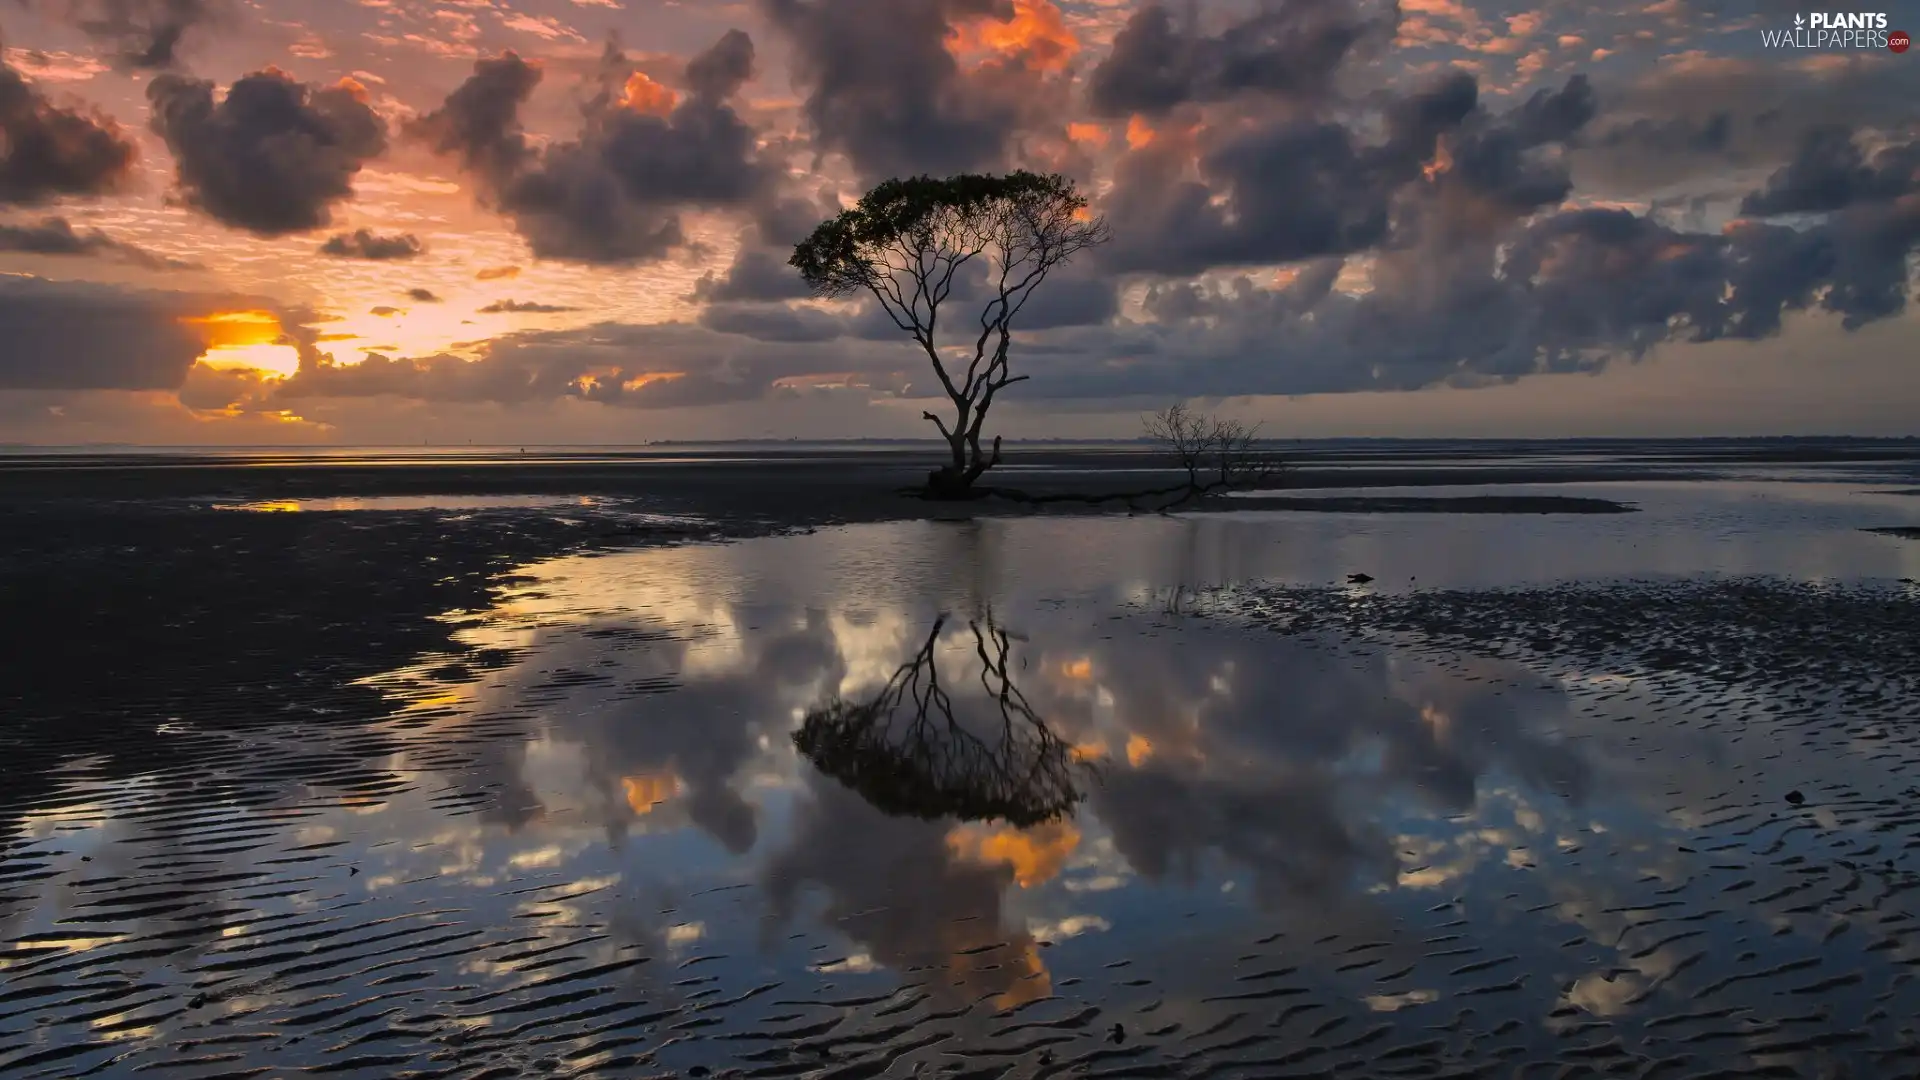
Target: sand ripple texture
(1704, 864)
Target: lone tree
(911, 242)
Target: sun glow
(245, 339)
(412, 328)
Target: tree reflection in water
(914, 750)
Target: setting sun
(245, 339)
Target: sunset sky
(567, 221)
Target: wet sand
(1464, 504)
(505, 790)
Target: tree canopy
(911, 243)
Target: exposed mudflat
(570, 790)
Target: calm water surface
(990, 798)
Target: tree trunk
(954, 480)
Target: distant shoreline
(865, 482)
(321, 449)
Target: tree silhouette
(909, 241)
(910, 751)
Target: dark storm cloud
(1571, 291)
(1830, 172)
(759, 270)
(224, 388)
(57, 236)
(1709, 135)
(72, 336)
(638, 366)
(615, 194)
(1298, 188)
(757, 273)
(142, 33)
(273, 156)
(1416, 122)
(882, 88)
(1496, 158)
(48, 150)
(1698, 117)
(1872, 247)
(367, 244)
(1291, 49)
(1075, 296)
(479, 123)
(720, 72)
(1477, 290)
(772, 322)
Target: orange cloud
(1089, 751)
(1139, 750)
(1139, 133)
(1093, 135)
(1037, 36)
(651, 377)
(645, 791)
(497, 273)
(1446, 9)
(1524, 24)
(643, 95)
(1035, 855)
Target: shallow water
(418, 502)
(589, 844)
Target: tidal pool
(1044, 796)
